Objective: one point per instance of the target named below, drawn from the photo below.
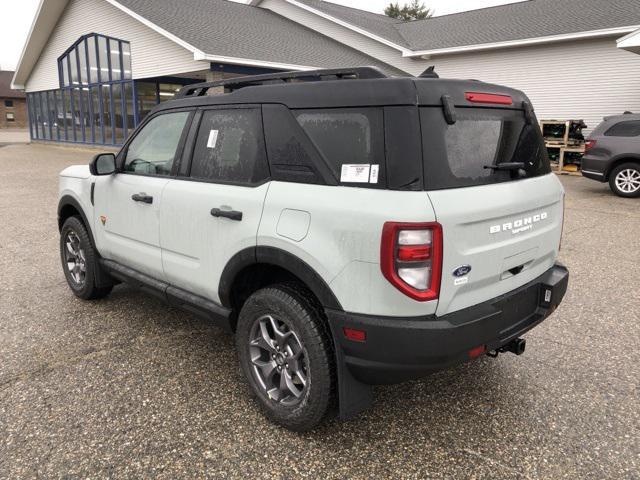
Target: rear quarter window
(347, 136)
(458, 155)
(628, 128)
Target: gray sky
(13, 33)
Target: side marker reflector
(355, 334)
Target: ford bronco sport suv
(349, 228)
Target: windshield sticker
(213, 139)
(356, 173)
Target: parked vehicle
(613, 154)
(349, 228)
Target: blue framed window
(95, 102)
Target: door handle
(230, 214)
(142, 197)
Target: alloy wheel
(278, 360)
(628, 180)
(74, 257)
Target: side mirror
(103, 164)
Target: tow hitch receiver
(516, 346)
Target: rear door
(501, 227)
(212, 210)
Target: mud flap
(353, 395)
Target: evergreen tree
(416, 10)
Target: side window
(348, 136)
(230, 147)
(154, 148)
(630, 128)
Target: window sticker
(355, 173)
(373, 176)
(213, 139)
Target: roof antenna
(429, 73)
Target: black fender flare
(68, 200)
(279, 258)
(618, 159)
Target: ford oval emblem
(462, 270)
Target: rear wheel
(286, 355)
(79, 261)
(625, 180)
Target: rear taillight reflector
(477, 351)
(589, 144)
(477, 97)
(411, 258)
(414, 253)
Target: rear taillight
(411, 258)
(589, 144)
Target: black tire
(82, 284)
(622, 188)
(294, 310)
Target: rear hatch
(487, 173)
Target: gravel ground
(127, 387)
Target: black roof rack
(231, 84)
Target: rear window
(629, 128)
(460, 155)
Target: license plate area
(521, 305)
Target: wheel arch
(68, 206)
(619, 160)
(353, 396)
(278, 261)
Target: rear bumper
(593, 175)
(594, 168)
(399, 349)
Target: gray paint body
(610, 151)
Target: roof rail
(231, 84)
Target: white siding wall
(585, 79)
(151, 53)
(344, 35)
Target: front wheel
(80, 260)
(625, 180)
(286, 355)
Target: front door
(127, 204)
(213, 211)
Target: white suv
(349, 228)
